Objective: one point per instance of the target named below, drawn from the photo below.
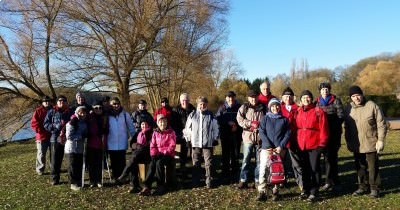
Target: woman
(76, 131)
(312, 135)
(274, 133)
(162, 152)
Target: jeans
(249, 150)
(42, 147)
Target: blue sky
(267, 35)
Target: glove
(321, 149)
(254, 125)
(379, 146)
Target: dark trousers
(331, 165)
(75, 168)
(311, 171)
(296, 165)
(94, 162)
(157, 168)
(208, 158)
(57, 155)
(117, 158)
(183, 155)
(230, 155)
(140, 155)
(367, 167)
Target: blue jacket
(225, 114)
(120, 127)
(274, 131)
(55, 121)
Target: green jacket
(364, 126)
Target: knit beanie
(288, 91)
(355, 90)
(308, 93)
(79, 108)
(273, 101)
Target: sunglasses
(97, 107)
(115, 104)
(62, 100)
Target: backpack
(276, 169)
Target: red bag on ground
(276, 169)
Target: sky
(268, 35)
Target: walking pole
(84, 162)
(108, 169)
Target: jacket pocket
(372, 128)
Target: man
(201, 130)
(333, 108)
(141, 114)
(42, 135)
(365, 132)
(230, 135)
(55, 122)
(249, 117)
(180, 114)
(81, 101)
(265, 95)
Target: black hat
(324, 85)
(288, 91)
(62, 97)
(230, 94)
(46, 99)
(98, 103)
(306, 92)
(164, 100)
(252, 93)
(355, 90)
(141, 101)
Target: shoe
(99, 185)
(275, 191)
(312, 198)
(75, 187)
(374, 194)
(359, 192)
(40, 173)
(161, 190)
(303, 196)
(255, 186)
(134, 189)
(145, 192)
(275, 197)
(242, 185)
(210, 186)
(262, 196)
(327, 188)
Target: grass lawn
(21, 188)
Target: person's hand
(321, 149)
(254, 125)
(379, 146)
(233, 126)
(278, 150)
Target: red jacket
(312, 127)
(292, 143)
(265, 99)
(37, 124)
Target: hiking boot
(262, 196)
(75, 187)
(374, 194)
(359, 192)
(134, 189)
(209, 186)
(99, 185)
(242, 185)
(303, 196)
(327, 188)
(145, 192)
(312, 198)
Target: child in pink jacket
(162, 152)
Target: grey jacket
(201, 129)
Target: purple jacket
(163, 143)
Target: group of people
(262, 126)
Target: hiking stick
(84, 162)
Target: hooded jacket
(245, 116)
(364, 126)
(274, 131)
(120, 127)
(76, 135)
(201, 129)
(163, 143)
(55, 122)
(37, 124)
(290, 114)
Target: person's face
(230, 100)
(357, 98)
(252, 100)
(164, 103)
(115, 105)
(287, 99)
(275, 108)
(184, 102)
(106, 103)
(162, 123)
(46, 103)
(144, 125)
(80, 99)
(82, 114)
(306, 100)
(265, 88)
(324, 92)
(202, 106)
(62, 103)
(98, 109)
(142, 106)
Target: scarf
(324, 101)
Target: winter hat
(355, 90)
(324, 85)
(252, 93)
(230, 94)
(61, 97)
(142, 101)
(79, 108)
(160, 116)
(306, 92)
(273, 101)
(46, 99)
(288, 91)
(164, 100)
(79, 94)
